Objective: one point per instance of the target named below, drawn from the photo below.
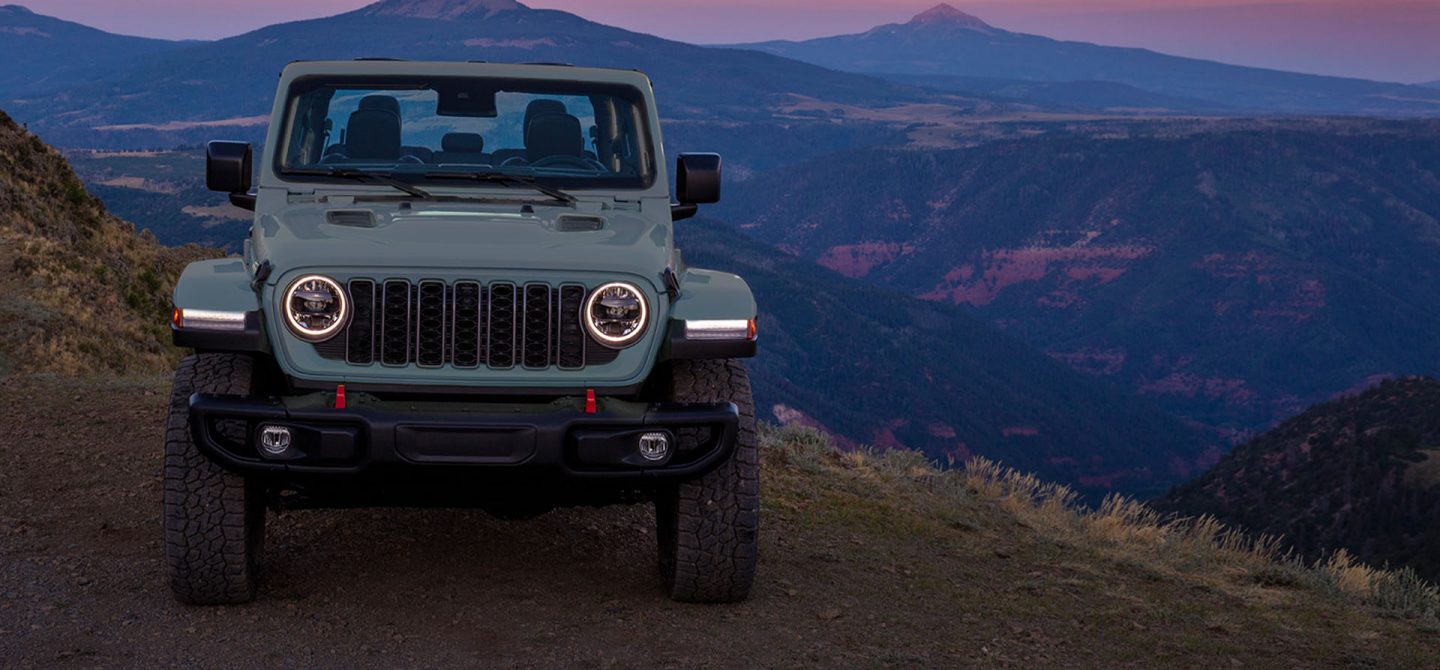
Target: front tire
(214, 520)
(707, 528)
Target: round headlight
(315, 308)
(616, 314)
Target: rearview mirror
(227, 170)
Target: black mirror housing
(228, 167)
(697, 179)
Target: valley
(1151, 258)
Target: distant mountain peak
(442, 9)
(947, 15)
(15, 9)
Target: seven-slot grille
(466, 324)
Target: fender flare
(219, 285)
(708, 295)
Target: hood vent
(355, 218)
(580, 223)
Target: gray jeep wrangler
(461, 288)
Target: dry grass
(1201, 552)
(80, 290)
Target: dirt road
(83, 581)
(847, 580)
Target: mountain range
(945, 42)
(189, 91)
(41, 53)
(1234, 272)
(81, 87)
(1360, 473)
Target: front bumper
(556, 440)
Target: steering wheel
(336, 157)
(567, 161)
(411, 159)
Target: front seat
(536, 108)
(373, 132)
(554, 135)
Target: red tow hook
(340, 397)
(590, 401)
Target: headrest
(543, 107)
(384, 102)
(553, 135)
(373, 133)
(463, 143)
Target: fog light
(275, 440)
(655, 446)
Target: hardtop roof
(396, 67)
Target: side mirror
(227, 170)
(697, 182)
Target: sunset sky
(1393, 40)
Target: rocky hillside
(80, 290)
(1360, 473)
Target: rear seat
(463, 148)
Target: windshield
(567, 134)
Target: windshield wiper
(368, 178)
(507, 180)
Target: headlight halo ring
(610, 341)
(341, 319)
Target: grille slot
(430, 325)
(395, 323)
(571, 335)
(360, 336)
(466, 324)
(501, 349)
(539, 318)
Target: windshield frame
(646, 134)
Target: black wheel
(214, 520)
(707, 528)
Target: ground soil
(846, 580)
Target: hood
(458, 236)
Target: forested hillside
(1232, 272)
(1360, 473)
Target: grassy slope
(1117, 584)
(866, 561)
(79, 288)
